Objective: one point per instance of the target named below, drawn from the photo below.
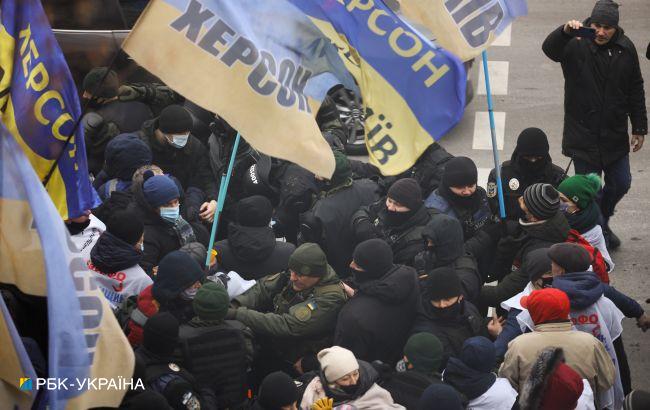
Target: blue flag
(39, 105)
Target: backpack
(598, 263)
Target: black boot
(611, 240)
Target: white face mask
(189, 293)
(179, 140)
(142, 247)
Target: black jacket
(603, 87)
(407, 387)
(189, 164)
(405, 240)
(253, 252)
(375, 323)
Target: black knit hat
(109, 87)
(277, 390)
(459, 172)
(255, 210)
(536, 264)
(533, 142)
(605, 12)
(571, 257)
(125, 225)
(175, 119)
(443, 283)
(160, 334)
(407, 192)
(177, 271)
(542, 200)
(374, 256)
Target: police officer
(294, 312)
(530, 164)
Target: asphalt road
(535, 99)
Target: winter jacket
(471, 223)
(453, 331)
(368, 396)
(252, 252)
(603, 87)
(405, 240)
(189, 164)
(500, 396)
(406, 387)
(583, 352)
(532, 236)
(375, 323)
(333, 211)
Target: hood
(251, 244)
(111, 254)
(471, 383)
(447, 236)
(395, 287)
(125, 154)
(583, 288)
(553, 230)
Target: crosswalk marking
(504, 39)
(498, 78)
(483, 174)
(482, 135)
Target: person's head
(126, 226)
(175, 126)
(423, 353)
(479, 353)
(277, 392)
(178, 277)
(568, 258)
(547, 305)
(124, 154)
(138, 175)
(578, 192)
(537, 265)
(604, 19)
(211, 302)
(160, 335)
(307, 266)
(444, 290)
(443, 237)
(342, 169)
(371, 259)
(539, 202)
(404, 195)
(531, 153)
(254, 211)
(460, 176)
(108, 90)
(162, 195)
(440, 396)
(339, 366)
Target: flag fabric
(38, 256)
(413, 92)
(261, 65)
(465, 28)
(39, 105)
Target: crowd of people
(363, 291)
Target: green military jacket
(296, 322)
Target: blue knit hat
(159, 189)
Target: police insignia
(302, 313)
(174, 367)
(491, 189)
(514, 184)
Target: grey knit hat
(605, 12)
(542, 200)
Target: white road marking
(483, 174)
(482, 135)
(498, 78)
(504, 38)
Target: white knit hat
(336, 362)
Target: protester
(84, 232)
(603, 88)
(277, 392)
(398, 219)
(251, 249)
(530, 164)
(374, 324)
(440, 396)
(344, 379)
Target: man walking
(603, 88)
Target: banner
(413, 92)
(464, 27)
(39, 105)
(258, 64)
(86, 345)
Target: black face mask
(350, 389)
(529, 167)
(397, 218)
(77, 227)
(450, 312)
(360, 276)
(93, 103)
(547, 282)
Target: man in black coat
(375, 322)
(603, 88)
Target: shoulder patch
(302, 313)
(271, 278)
(514, 184)
(491, 189)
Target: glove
(93, 124)
(323, 404)
(127, 93)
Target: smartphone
(584, 32)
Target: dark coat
(253, 252)
(190, 164)
(375, 323)
(603, 88)
(127, 115)
(407, 387)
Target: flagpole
(223, 188)
(493, 132)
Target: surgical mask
(189, 294)
(142, 247)
(179, 140)
(170, 214)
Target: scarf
(183, 231)
(585, 219)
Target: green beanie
(581, 189)
(342, 169)
(424, 352)
(309, 260)
(211, 302)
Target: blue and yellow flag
(37, 256)
(39, 105)
(465, 28)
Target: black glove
(311, 229)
